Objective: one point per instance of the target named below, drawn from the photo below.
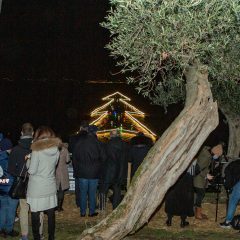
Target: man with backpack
(232, 184)
(8, 205)
(204, 158)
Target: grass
(69, 225)
(184, 235)
(70, 231)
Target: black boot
(169, 220)
(183, 223)
(59, 207)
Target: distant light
(99, 119)
(132, 107)
(142, 126)
(116, 93)
(100, 111)
(96, 111)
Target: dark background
(49, 52)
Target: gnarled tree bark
(234, 132)
(165, 162)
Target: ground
(69, 224)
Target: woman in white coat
(41, 193)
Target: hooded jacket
(42, 166)
(17, 156)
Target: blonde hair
(43, 132)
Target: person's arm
(67, 158)
(34, 162)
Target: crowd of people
(42, 158)
(98, 166)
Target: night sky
(54, 39)
(50, 50)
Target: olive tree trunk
(165, 162)
(234, 132)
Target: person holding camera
(204, 158)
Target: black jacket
(140, 145)
(117, 161)
(17, 156)
(88, 157)
(74, 139)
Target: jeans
(8, 208)
(77, 194)
(233, 201)
(87, 188)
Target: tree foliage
(155, 40)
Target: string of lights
(99, 119)
(96, 111)
(138, 123)
(114, 94)
(117, 96)
(136, 111)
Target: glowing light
(125, 133)
(116, 93)
(142, 126)
(129, 114)
(124, 130)
(99, 119)
(132, 107)
(96, 111)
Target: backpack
(236, 222)
(6, 180)
(232, 174)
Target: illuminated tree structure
(117, 112)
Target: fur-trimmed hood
(46, 143)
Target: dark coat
(17, 156)
(88, 156)
(74, 139)
(180, 197)
(140, 145)
(117, 161)
(203, 160)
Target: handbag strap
(23, 169)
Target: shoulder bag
(19, 187)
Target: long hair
(43, 132)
